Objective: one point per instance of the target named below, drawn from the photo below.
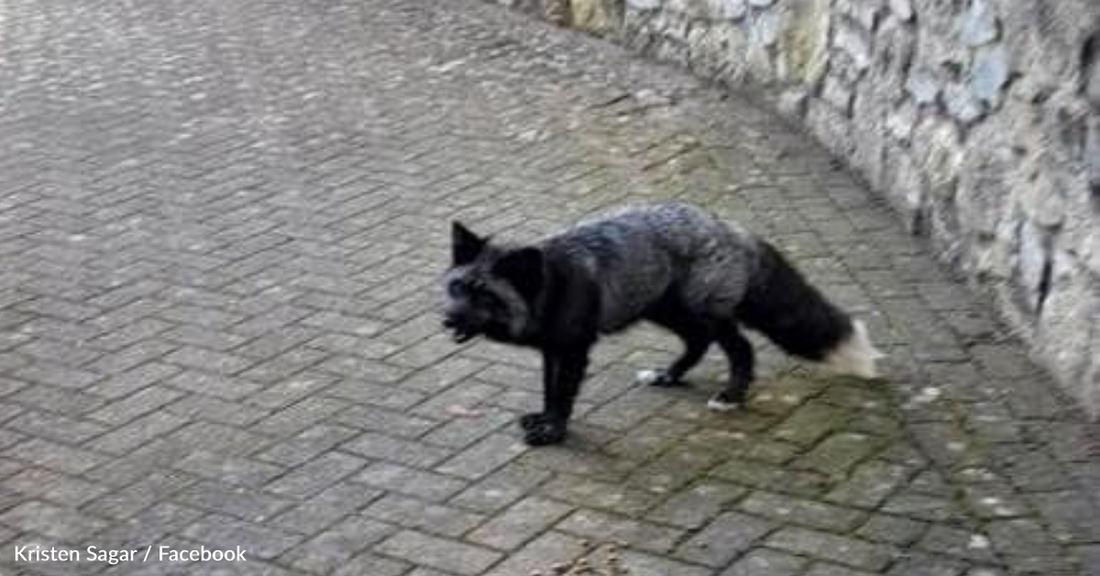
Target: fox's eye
(456, 288)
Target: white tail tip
(855, 355)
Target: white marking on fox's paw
(719, 405)
(647, 377)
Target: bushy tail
(780, 303)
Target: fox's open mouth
(459, 333)
(460, 336)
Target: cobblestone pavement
(221, 224)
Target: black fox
(670, 263)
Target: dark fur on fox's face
(490, 290)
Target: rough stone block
(961, 104)
(922, 87)
(596, 16)
(989, 73)
(903, 9)
(804, 46)
(978, 25)
(854, 41)
(766, 29)
(728, 9)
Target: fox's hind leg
(694, 350)
(697, 338)
(741, 358)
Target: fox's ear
(465, 245)
(523, 269)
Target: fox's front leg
(562, 373)
(533, 420)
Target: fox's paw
(532, 420)
(659, 378)
(725, 401)
(540, 430)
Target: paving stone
(332, 548)
(138, 432)
(324, 509)
(55, 456)
(375, 565)
(644, 564)
(540, 555)
(598, 526)
(435, 552)
(1068, 521)
(396, 450)
(421, 484)
(207, 360)
(306, 445)
(765, 561)
(56, 375)
(315, 475)
(218, 438)
(463, 431)
(152, 350)
(392, 422)
(413, 513)
(53, 487)
(695, 505)
(243, 503)
(519, 523)
(1021, 537)
(148, 526)
(55, 427)
(443, 375)
(581, 461)
(52, 521)
(891, 529)
(726, 537)
(285, 391)
(839, 452)
(262, 542)
(1090, 558)
(658, 435)
(803, 512)
(869, 484)
(834, 570)
(920, 507)
(599, 495)
(764, 476)
(211, 409)
(50, 399)
(500, 489)
(136, 498)
(769, 451)
(484, 456)
(137, 404)
(838, 549)
(299, 416)
(926, 565)
(219, 386)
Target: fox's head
(490, 289)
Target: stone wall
(978, 119)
